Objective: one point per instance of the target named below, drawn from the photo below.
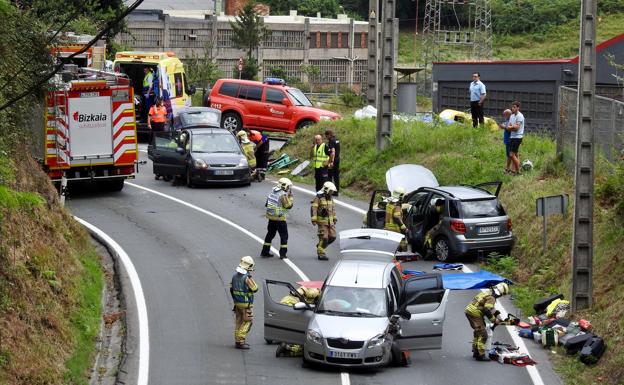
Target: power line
(97, 37)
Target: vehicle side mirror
(300, 306)
(286, 102)
(180, 150)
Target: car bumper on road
(363, 357)
(221, 176)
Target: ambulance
(89, 128)
(172, 83)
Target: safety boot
(323, 258)
(482, 358)
(281, 350)
(242, 345)
(266, 251)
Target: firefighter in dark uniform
(333, 170)
(481, 306)
(242, 290)
(279, 201)
(323, 215)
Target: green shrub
(351, 99)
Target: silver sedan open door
(283, 323)
(425, 299)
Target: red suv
(267, 106)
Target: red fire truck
(90, 128)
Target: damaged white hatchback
(365, 316)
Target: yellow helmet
(329, 187)
(501, 289)
(284, 183)
(310, 294)
(242, 135)
(247, 263)
(398, 192)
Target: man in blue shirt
(516, 127)
(477, 97)
(506, 138)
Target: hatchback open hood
(410, 177)
(369, 241)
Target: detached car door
(425, 299)
(282, 323)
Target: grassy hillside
(461, 154)
(50, 281)
(560, 42)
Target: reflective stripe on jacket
(147, 80)
(322, 210)
(319, 157)
(248, 149)
(243, 289)
(482, 305)
(277, 204)
(394, 217)
(158, 114)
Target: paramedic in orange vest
(157, 117)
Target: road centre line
(135, 283)
(532, 370)
(294, 267)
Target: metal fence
(608, 126)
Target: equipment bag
(549, 338)
(541, 305)
(593, 349)
(575, 344)
(564, 338)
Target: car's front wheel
(231, 121)
(442, 249)
(304, 124)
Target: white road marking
(532, 370)
(296, 269)
(344, 378)
(135, 282)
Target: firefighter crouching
(242, 290)
(310, 296)
(394, 215)
(248, 150)
(279, 201)
(483, 306)
(324, 216)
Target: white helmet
(284, 183)
(329, 187)
(527, 165)
(398, 192)
(501, 289)
(247, 263)
(242, 135)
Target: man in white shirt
(477, 97)
(516, 127)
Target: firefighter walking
(242, 290)
(324, 216)
(481, 306)
(394, 216)
(279, 201)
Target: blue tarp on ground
(466, 281)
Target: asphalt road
(185, 260)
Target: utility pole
(386, 75)
(371, 91)
(582, 248)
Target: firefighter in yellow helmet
(481, 306)
(394, 215)
(248, 150)
(324, 216)
(242, 289)
(309, 295)
(277, 204)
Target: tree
(312, 71)
(249, 30)
(202, 69)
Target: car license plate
(224, 172)
(488, 229)
(336, 354)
